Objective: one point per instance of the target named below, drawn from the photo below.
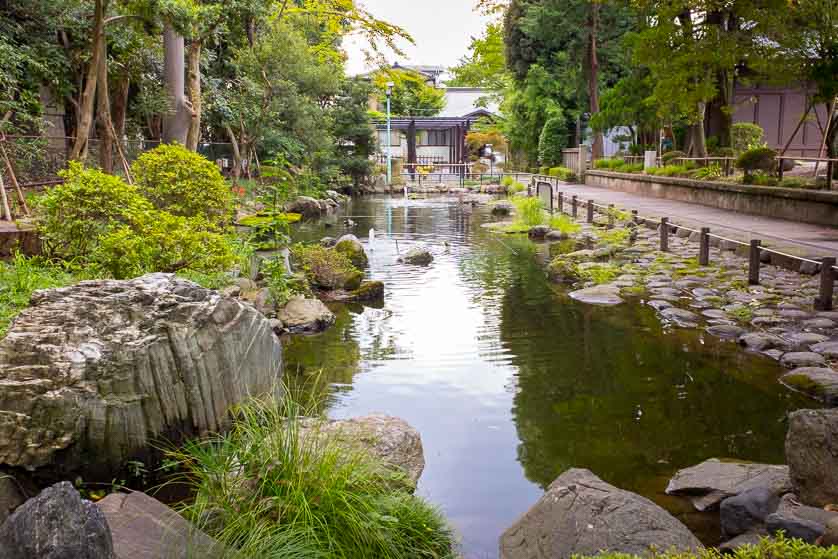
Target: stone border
(810, 206)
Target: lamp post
(389, 136)
(491, 154)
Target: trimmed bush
(552, 140)
(543, 170)
(746, 136)
(668, 171)
(184, 183)
(562, 173)
(756, 159)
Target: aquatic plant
(276, 486)
(529, 211)
(565, 224)
(599, 273)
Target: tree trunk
(85, 113)
(593, 77)
(237, 156)
(699, 140)
(177, 118)
(103, 113)
(193, 86)
(119, 107)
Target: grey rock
(556, 236)
(350, 246)
(713, 480)
(827, 349)
(774, 354)
(809, 268)
(747, 539)
(790, 505)
(803, 340)
(418, 255)
(746, 511)
(11, 496)
(306, 206)
(581, 514)
(758, 341)
(714, 313)
(260, 299)
(56, 524)
(538, 232)
(503, 207)
(794, 359)
(95, 372)
(681, 317)
(390, 439)
(820, 383)
(328, 242)
(795, 314)
(812, 455)
(659, 304)
(144, 528)
(607, 295)
(819, 323)
(301, 315)
(725, 331)
(794, 527)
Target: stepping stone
(805, 339)
(665, 291)
(827, 349)
(714, 313)
(758, 341)
(794, 314)
(794, 359)
(819, 323)
(726, 331)
(774, 354)
(681, 317)
(607, 295)
(820, 383)
(702, 292)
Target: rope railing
(827, 265)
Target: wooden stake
(7, 212)
(20, 197)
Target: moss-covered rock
(562, 270)
(263, 220)
(350, 246)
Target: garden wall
(809, 206)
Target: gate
(544, 191)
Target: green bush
(710, 172)
(72, 216)
(507, 181)
(668, 171)
(515, 187)
(564, 224)
(184, 183)
(157, 241)
(756, 159)
(562, 173)
(552, 140)
(529, 211)
(327, 268)
(608, 164)
(778, 548)
(670, 155)
(278, 486)
(746, 136)
(629, 168)
(543, 170)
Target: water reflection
(510, 381)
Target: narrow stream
(510, 382)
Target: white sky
(442, 30)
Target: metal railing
(826, 266)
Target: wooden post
(611, 216)
(780, 168)
(704, 247)
(829, 170)
(590, 211)
(634, 218)
(823, 302)
(664, 234)
(573, 208)
(561, 202)
(754, 263)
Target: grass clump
(565, 224)
(529, 212)
(778, 548)
(20, 277)
(669, 171)
(277, 486)
(562, 173)
(599, 273)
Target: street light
(389, 136)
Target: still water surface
(510, 382)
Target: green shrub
(552, 140)
(796, 182)
(670, 155)
(543, 170)
(756, 159)
(327, 268)
(278, 486)
(184, 183)
(515, 187)
(19, 278)
(598, 273)
(668, 171)
(72, 216)
(710, 172)
(629, 168)
(565, 224)
(158, 241)
(562, 173)
(778, 548)
(529, 211)
(746, 136)
(607, 163)
(507, 181)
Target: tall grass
(22, 276)
(564, 223)
(529, 211)
(276, 486)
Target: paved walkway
(802, 239)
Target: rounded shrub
(552, 140)
(183, 183)
(746, 136)
(670, 155)
(72, 216)
(756, 159)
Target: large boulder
(93, 374)
(57, 524)
(306, 206)
(301, 315)
(709, 483)
(820, 383)
(387, 438)
(418, 255)
(11, 496)
(747, 511)
(812, 455)
(502, 207)
(144, 528)
(581, 514)
(353, 249)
